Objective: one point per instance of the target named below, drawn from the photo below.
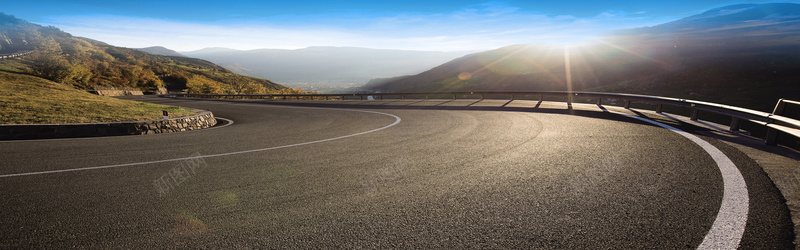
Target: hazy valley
(325, 69)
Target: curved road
(381, 174)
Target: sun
(572, 41)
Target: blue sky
(409, 24)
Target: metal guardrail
(778, 123)
(774, 122)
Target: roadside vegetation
(31, 100)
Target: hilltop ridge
(160, 51)
(743, 55)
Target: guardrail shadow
(598, 111)
(775, 124)
(772, 124)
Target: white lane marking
(397, 120)
(230, 122)
(728, 227)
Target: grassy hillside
(84, 63)
(27, 99)
(53, 84)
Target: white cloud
(481, 27)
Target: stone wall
(118, 92)
(15, 55)
(18, 132)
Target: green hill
(51, 82)
(84, 63)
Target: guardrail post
(778, 107)
(627, 104)
(659, 108)
(483, 96)
(599, 101)
(695, 114)
(454, 96)
(403, 97)
(772, 137)
(735, 122)
(512, 97)
(380, 97)
(426, 96)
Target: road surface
(383, 174)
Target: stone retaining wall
(118, 92)
(18, 132)
(15, 55)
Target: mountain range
(160, 51)
(746, 55)
(324, 68)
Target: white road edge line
(728, 227)
(230, 122)
(397, 120)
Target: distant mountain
(324, 68)
(213, 50)
(744, 26)
(84, 63)
(734, 17)
(12, 37)
(160, 51)
(747, 55)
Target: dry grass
(31, 100)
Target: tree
(202, 85)
(50, 67)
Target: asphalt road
(381, 174)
